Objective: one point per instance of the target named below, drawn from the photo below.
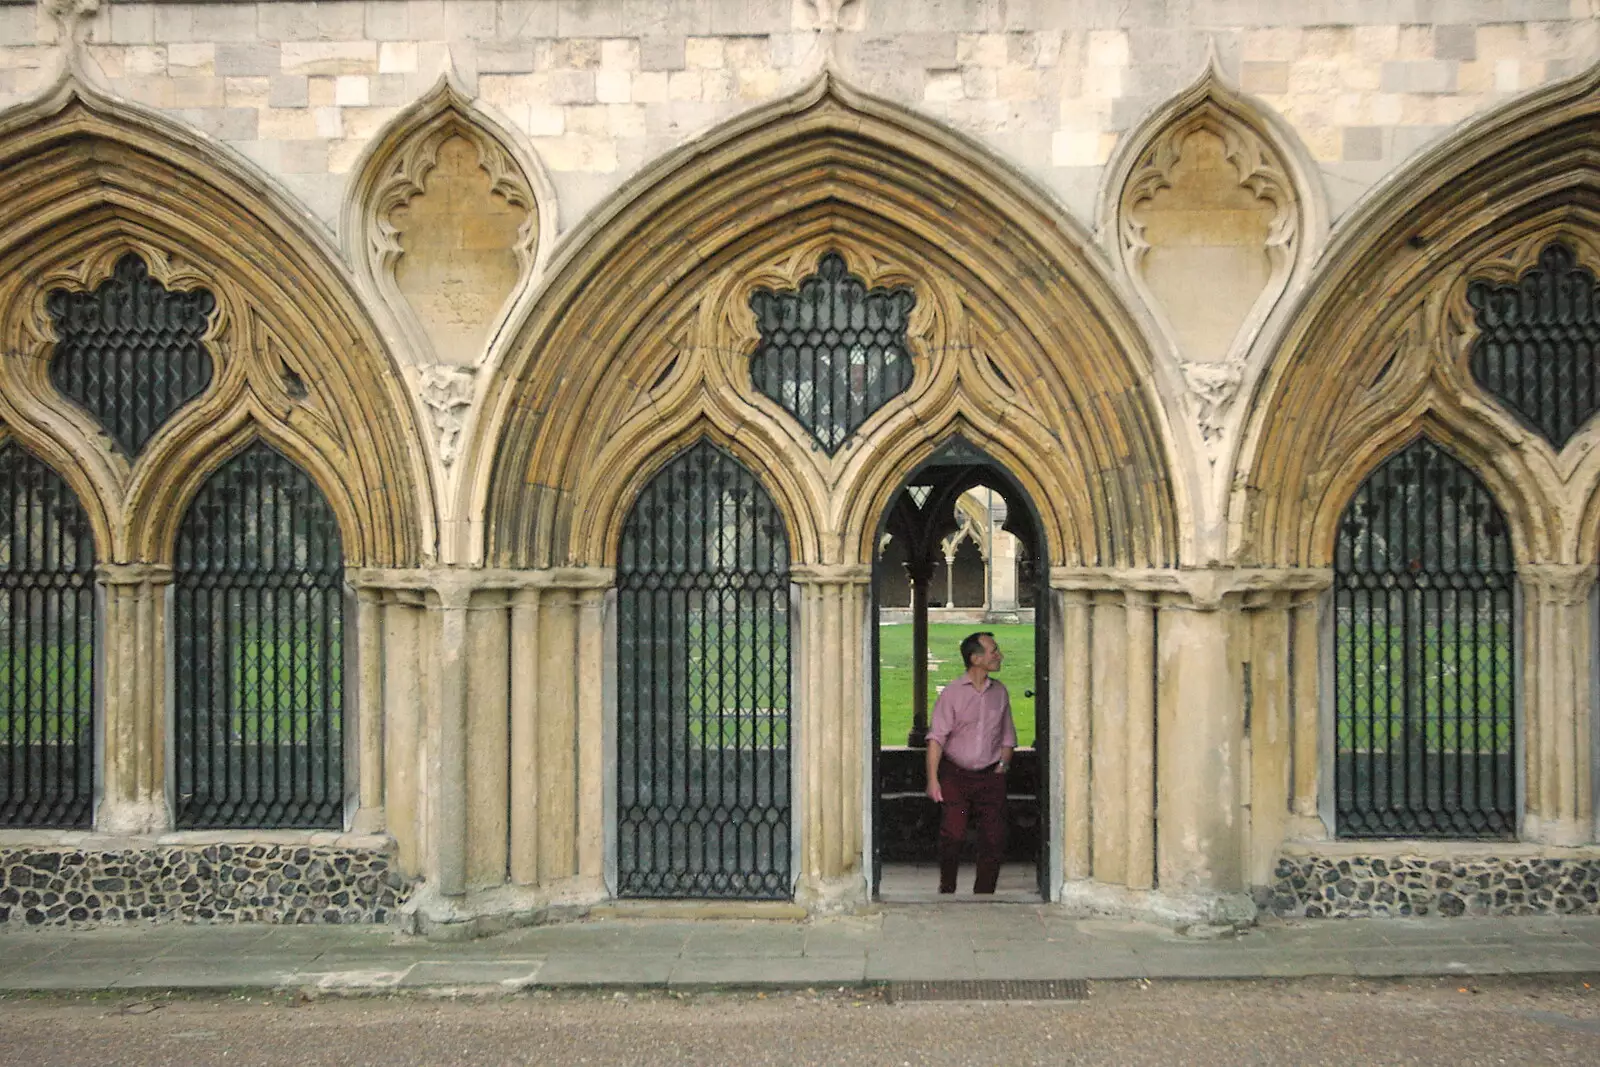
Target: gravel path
(1310, 1021)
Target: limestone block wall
(602, 88)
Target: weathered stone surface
(212, 883)
(1322, 887)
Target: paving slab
(577, 971)
(723, 942)
(700, 973)
(900, 943)
(430, 974)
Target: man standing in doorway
(970, 743)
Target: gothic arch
(86, 180)
(644, 329)
(1381, 337)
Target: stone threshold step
(774, 910)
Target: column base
(367, 821)
(1566, 833)
(832, 896)
(147, 815)
(494, 910)
(1086, 899)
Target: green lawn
(944, 644)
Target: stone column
(525, 776)
(828, 733)
(448, 730)
(1557, 726)
(1200, 741)
(134, 793)
(369, 742)
(1075, 640)
(921, 572)
(1141, 751)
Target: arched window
(1424, 655)
(703, 805)
(259, 617)
(47, 635)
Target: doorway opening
(959, 551)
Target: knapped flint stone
(216, 883)
(1318, 887)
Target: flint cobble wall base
(1337, 887)
(211, 883)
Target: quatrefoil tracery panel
(130, 352)
(832, 352)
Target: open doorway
(958, 551)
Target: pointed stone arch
(1161, 199)
(449, 219)
(87, 180)
(1382, 335)
(645, 323)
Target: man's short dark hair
(971, 646)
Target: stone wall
(1356, 886)
(601, 88)
(266, 883)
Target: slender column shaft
(1141, 755)
(921, 574)
(133, 798)
(369, 816)
(1078, 742)
(1557, 721)
(833, 601)
(450, 743)
(525, 737)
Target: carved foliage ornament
(1538, 346)
(832, 352)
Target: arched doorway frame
(641, 342)
(983, 470)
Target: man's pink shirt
(973, 725)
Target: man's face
(991, 657)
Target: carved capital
(133, 574)
(1563, 584)
(831, 573)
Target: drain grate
(1038, 989)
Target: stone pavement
(990, 941)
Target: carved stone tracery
(447, 221)
(1209, 187)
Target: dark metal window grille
(130, 351)
(1425, 655)
(703, 804)
(1539, 342)
(832, 352)
(47, 634)
(259, 616)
